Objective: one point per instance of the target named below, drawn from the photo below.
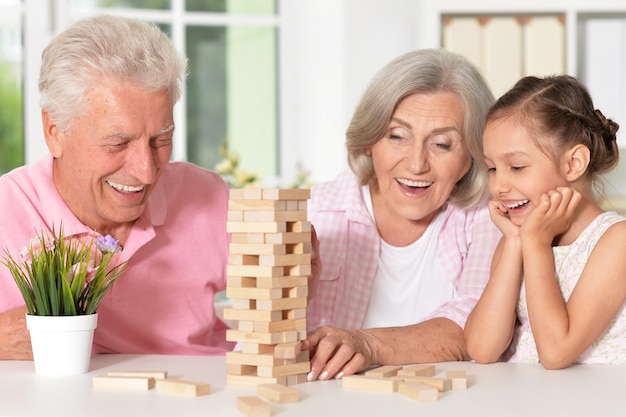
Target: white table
(500, 390)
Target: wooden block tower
(268, 265)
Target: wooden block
(249, 381)
(293, 237)
(240, 282)
(297, 227)
(260, 227)
(254, 293)
(257, 249)
(262, 205)
(256, 348)
(257, 271)
(296, 379)
(367, 383)
(279, 326)
(296, 292)
(297, 270)
(251, 359)
(418, 370)
(296, 313)
(239, 259)
(384, 371)
(247, 238)
(277, 393)
(253, 406)
(418, 391)
(290, 259)
(252, 315)
(245, 194)
(274, 216)
(287, 350)
(281, 282)
(233, 335)
(459, 379)
(286, 194)
(281, 304)
(130, 383)
(243, 304)
(144, 374)
(284, 370)
(442, 384)
(303, 247)
(234, 215)
(182, 387)
(239, 369)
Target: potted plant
(63, 279)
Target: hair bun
(608, 126)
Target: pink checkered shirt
(350, 245)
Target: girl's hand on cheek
(499, 216)
(553, 215)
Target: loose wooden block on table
(442, 384)
(418, 391)
(253, 406)
(139, 373)
(418, 370)
(182, 387)
(131, 383)
(277, 393)
(366, 383)
(384, 371)
(459, 379)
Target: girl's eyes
(513, 168)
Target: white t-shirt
(410, 282)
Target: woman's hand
(337, 352)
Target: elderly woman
(405, 237)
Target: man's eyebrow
(165, 130)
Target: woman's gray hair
(422, 72)
(104, 47)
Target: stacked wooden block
(268, 266)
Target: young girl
(558, 277)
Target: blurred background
(273, 83)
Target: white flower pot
(61, 344)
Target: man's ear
(576, 161)
(52, 134)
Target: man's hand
(14, 337)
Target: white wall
(340, 44)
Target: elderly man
(108, 87)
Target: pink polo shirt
(177, 253)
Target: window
(11, 81)
(231, 94)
